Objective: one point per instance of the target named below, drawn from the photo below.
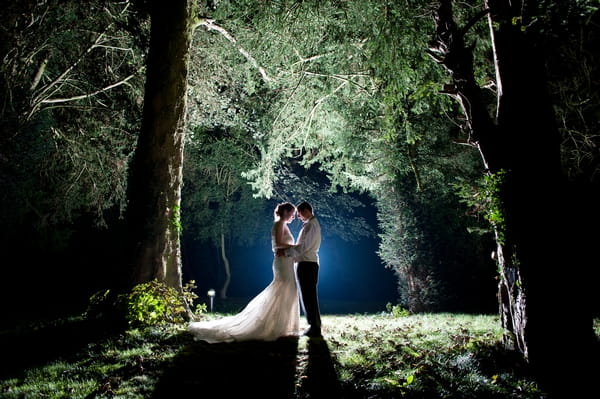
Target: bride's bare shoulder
(278, 225)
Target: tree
(520, 149)
(70, 107)
(154, 190)
(60, 155)
(357, 103)
(415, 155)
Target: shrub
(147, 304)
(397, 310)
(154, 303)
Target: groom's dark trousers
(308, 277)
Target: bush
(155, 303)
(397, 310)
(147, 304)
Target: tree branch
(474, 20)
(39, 74)
(74, 98)
(311, 58)
(37, 100)
(210, 25)
(344, 78)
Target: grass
(361, 356)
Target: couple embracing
(275, 312)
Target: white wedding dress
(273, 313)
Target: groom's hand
(280, 252)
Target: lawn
(382, 355)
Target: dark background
(351, 276)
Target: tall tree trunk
(543, 226)
(223, 291)
(156, 170)
(538, 300)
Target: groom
(305, 252)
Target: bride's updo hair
(282, 209)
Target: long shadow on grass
(320, 379)
(232, 370)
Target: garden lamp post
(211, 295)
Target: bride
(274, 312)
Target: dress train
(273, 313)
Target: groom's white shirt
(308, 243)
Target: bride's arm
(279, 234)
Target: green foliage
(145, 305)
(397, 310)
(155, 303)
(434, 257)
(484, 198)
(69, 132)
(200, 308)
(313, 55)
(176, 221)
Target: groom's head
(305, 211)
